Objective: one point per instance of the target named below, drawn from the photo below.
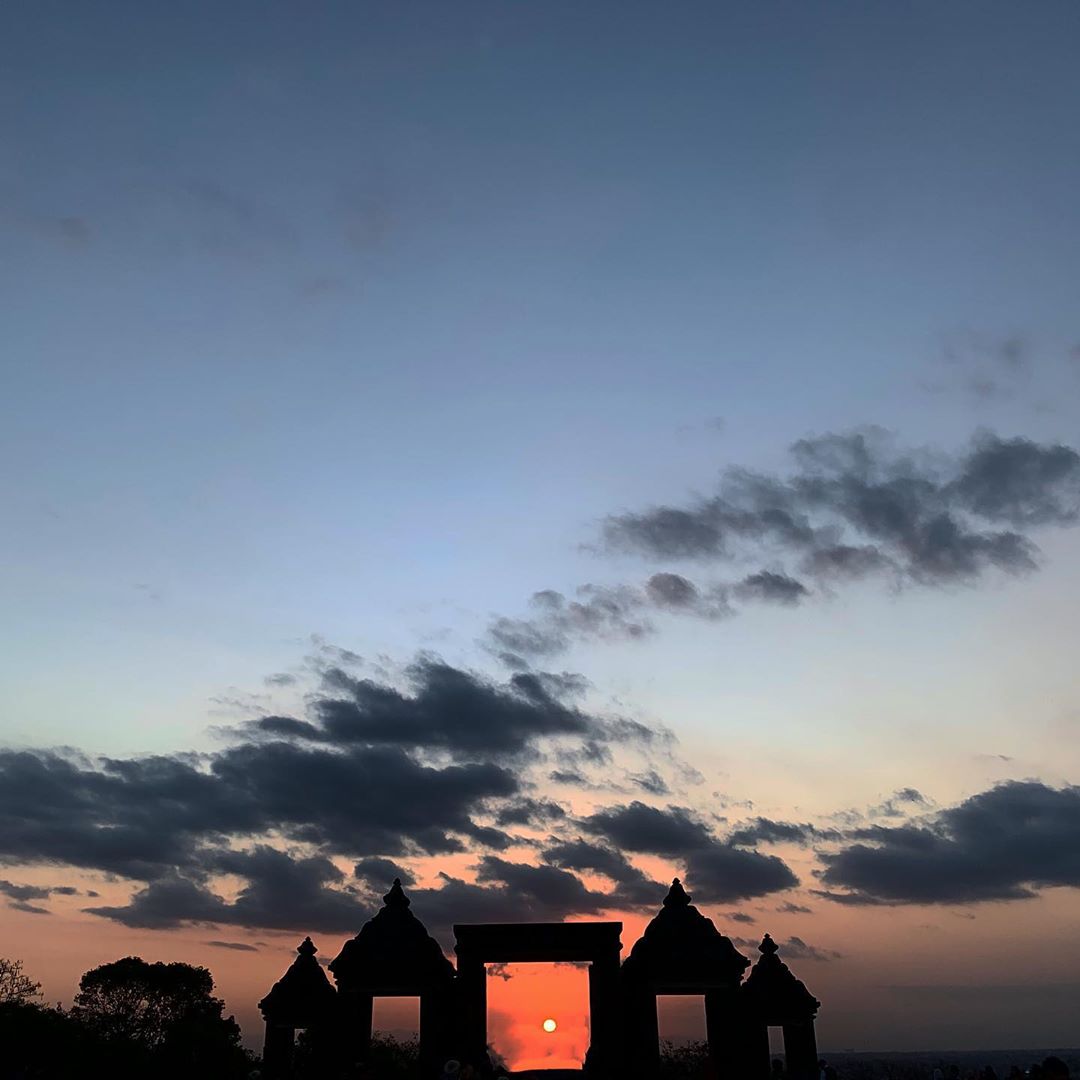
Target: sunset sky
(537, 450)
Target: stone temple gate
(680, 952)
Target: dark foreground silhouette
(680, 952)
(130, 1020)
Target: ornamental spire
(677, 896)
(396, 897)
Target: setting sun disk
(549, 1025)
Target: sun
(549, 1025)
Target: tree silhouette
(15, 987)
(163, 1013)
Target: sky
(538, 450)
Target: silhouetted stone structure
(301, 998)
(395, 956)
(773, 997)
(597, 943)
(680, 952)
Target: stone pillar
(640, 1033)
(601, 1060)
(472, 1009)
(435, 1031)
(724, 1029)
(355, 1019)
(754, 1050)
(800, 1050)
(277, 1051)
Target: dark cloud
(793, 949)
(142, 818)
(772, 588)
(379, 873)
(636, 827)
(27, 908)
(1002, 844)
(282, 891)
(381, 773)
(33, 892)
(672, 591)
(788, 908)
(444, 708)
(529, 811)
(634, 890)
(610, 613)
(766, 831)
(740, 917)
(236, 946)
(720, 874)
(716, 872)
(1020, 482)
(854, 506)
(900, 803)
(650, 782)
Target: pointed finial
(396, 896)
(768, 947)
(677, 895)
(307, 947)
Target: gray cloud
(634, 889)
(793, 949)
(788, 908)
(236, 946)
(853, 506)
(715, 871)
(379, 873)
(761, 830)
(1002, 844)
(771, 587)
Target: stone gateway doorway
(597, 944)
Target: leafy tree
(164, 1015)
(15, 987)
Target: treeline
(130, 1019)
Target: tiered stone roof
(772, 992)
(302, 996)
(393, 951)
(681, 950)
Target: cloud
(716, 872)
(236, 946)
(788, 908)
(899, 804)
(771, 587)
(853, 506)
(379, 873)
(761, 830)
(792, 949)
(720, 874)
(34, 892)
(635, 890)
(1001, 844)
(637, 827)
(598, 611)
(381, 772)
(444, 708)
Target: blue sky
(357, 321)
